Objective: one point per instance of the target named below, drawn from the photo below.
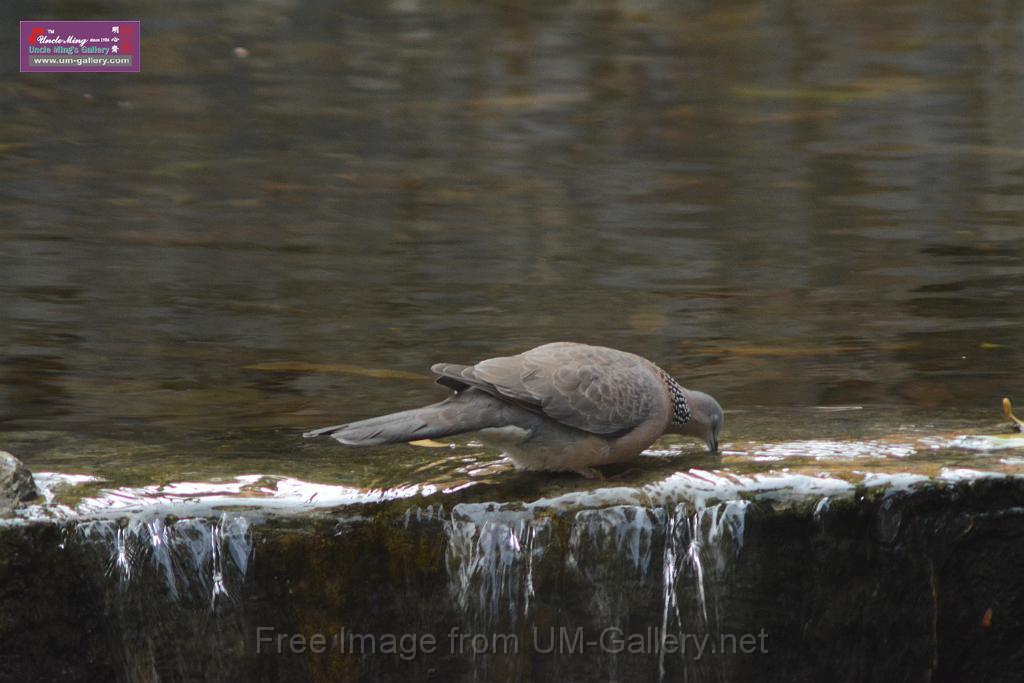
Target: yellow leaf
(1008, 412)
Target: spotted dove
(560, 406)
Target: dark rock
(16, 485)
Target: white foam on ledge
(47, 483)
(956, 474)
(883, 448)
(982, 442)
(894, 481)
(702, 486)
(286, 495)
(252, 491)
(823, 449)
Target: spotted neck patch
(680, 408)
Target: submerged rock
(16, 485)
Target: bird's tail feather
(429, 422)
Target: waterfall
(615, 562)
(196, 558)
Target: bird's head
(698, 415)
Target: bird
(561, 406)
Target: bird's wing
(592, 388)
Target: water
(191, 556)
(788, 207)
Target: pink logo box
(80, 46)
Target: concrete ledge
(900, 580)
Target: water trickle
(670, 577)
(160, 548)
(125, 554)
(490, 557)
(420, 514)
(821, 509)
(608, 559)
(700, 545)
(727, 520)
(236, 533)
(625, 530)
(217, 565)
(200, 557)
(890, 518)
(693, 559)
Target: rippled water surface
(812, 211)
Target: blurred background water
(299, 205)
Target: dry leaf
(1008, 412)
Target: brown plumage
(560, 406)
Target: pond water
(812, 212)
